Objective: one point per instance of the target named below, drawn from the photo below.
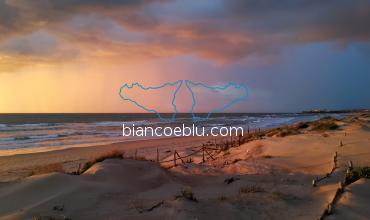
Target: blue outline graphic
(187, 84)
(173, 118)
(222, 88)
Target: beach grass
(357, 173)
(114, 154)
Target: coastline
(17, 166)
(281, 173)
(27, 162)
(44, 132)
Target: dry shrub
(236, 160)
(222, 198)
(365, 114)
(325, 135)
(302, 125)
(357, 173)
(226, 146)
(53, 217)
(231, 180)
(277, 195)
(49, 168)
(287, 132)
(324, 125)
(226, 153)
(140, 158)
(282, 132)
(137, 158)
(251, 189)
(267, 156)
(272, 132)
(187, 193)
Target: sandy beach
(184, 110)
(23, 165)
(292, 172)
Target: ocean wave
(23, 138)
(140, 123)
(108, 123)
(35, 125)
(7, 139)
(18, 128)
(76, 133)
(50, 136)
(47, 137)
(111, 134)
(126, 123)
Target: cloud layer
(217, 30)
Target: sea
(20, 133)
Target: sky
(74, 55)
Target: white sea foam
(72, 134)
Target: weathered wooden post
(157, 155)
(348, 171)
(174, 158)
(203, 155)
(314, 183)
(341, 144)
(350, 165)
(341, 186)
(178, 155)
(79, 168)
(330, 209)
(210, 155)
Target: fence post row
(180, 157)
(204, 150)
(209, 154)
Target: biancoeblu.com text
(181, 131)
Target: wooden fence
(206, 151)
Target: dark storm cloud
(219, 30)
(8, 15)
(306, 20)
(23, 13)
(38, 44)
